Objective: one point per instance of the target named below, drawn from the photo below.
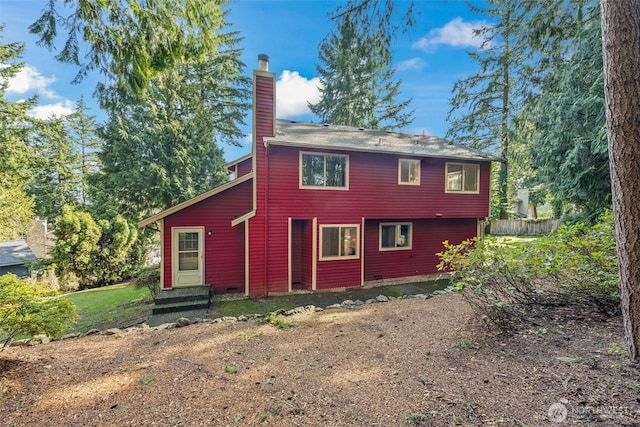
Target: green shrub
(29, 308)
(277, 320)
(150, 278)
(504, 282)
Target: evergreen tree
(563, 112)
(16, 207)
(483, 105)
(56, 180)
(132, 42)
(86, 143)
(358, 87)
(621, 45)
(160, 153)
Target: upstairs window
(395, 236)
(324, 171)
(409, 171)
(339, 241)
(463, 178)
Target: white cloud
(29, 79)
(62, 108)
(456, 32)
(293, 93)
(248, 139)
(411, 64)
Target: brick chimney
(264, 124)
(264, 99)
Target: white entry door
(188, 256)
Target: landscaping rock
(329, 307)
(71, 335)
(182, 321)
(113, 331)
(165, 326)
(382, 298)
(39, 339)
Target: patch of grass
(247, 335)
(416, 419)
(427, 352)
(392, 292)
(617, 349)
(263, 417)
(147, 380)
(231, 369)
(277, 320)
(252, 306)
(110, 306)
(466, 344)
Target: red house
(319, 206)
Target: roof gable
(195, 200)
(324, 136)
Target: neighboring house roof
(15, 252)
(195, 200)
(324, 136)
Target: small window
(323, 171)
(409, 171)
(339, 241)
(462, 178)
(394, 236)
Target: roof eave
(273, 141)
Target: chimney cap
(263, 62)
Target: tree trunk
(504, 127)
(621, 54)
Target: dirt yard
(407, 362)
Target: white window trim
(396, 224)
(410, 161)
(323, 187)
(446, 178)
(336, 258)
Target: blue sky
(428, 59)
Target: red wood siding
(244, 167)
(421, 259)
(373, 192)
(224, 248)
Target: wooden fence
(516, 227)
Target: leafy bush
(27, 307)
(97, 253)
(149, 277)
(504, 282)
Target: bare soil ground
(406, 362)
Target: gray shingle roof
(15, 252)
(312, 135)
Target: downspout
(266, 214)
